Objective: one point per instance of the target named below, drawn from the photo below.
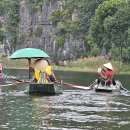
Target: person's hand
(99, 70)
(102, 67)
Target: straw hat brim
(108, 65)
(40, 64)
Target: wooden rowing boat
(45, 88)
(107, 88)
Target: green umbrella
(28, 53)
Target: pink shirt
(109, 73)
(0, 67)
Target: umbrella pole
(29, 62)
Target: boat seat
(107, 80)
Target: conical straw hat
(108, 65)
(41, 64)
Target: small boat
(108, 88)
(45, 88)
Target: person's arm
(103, 68)
(103, 72)
(53, 75)
(101, 75)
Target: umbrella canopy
(28, 53)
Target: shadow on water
(71, 110)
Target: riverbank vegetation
(101, 27)
(105, 25)
(89, 64)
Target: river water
(72, 110)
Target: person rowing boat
(106, 75)
(1, 76)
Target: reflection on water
(41, 111)
(72, 110)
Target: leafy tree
(37, 31)
(2, 34)
(85, 10)
(110, 25)
(95, 51)
(117, 27)
(11, 9)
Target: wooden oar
(19, 80)
(121, 87)
(74, 86)
(126, 90)
(13, 84)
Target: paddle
(121, 87)
(16, 83)
(21, 81)
(125, 89)
(75, 86)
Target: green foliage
(102, 23)
(21, 39)
(38, 30)
(60, 40)
(75, 27)
(2, 34)
(96, 30)
(115, 53)
(56, 17)
(84, 10)
(110, 25)
(95, 51)
(34, 5)
(61, 28)
(11, 9)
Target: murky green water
(71, 110)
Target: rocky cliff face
(34, 20)
(39, 32)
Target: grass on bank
(89, 64)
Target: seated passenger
(42, 71)
(105, 74)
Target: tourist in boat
(106, 75)
(39, 68)
(50, 74)
(42, 71)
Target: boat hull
(108, 89)
(45, 89)
(103, 89)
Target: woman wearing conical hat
(41, 67)
(106, 74)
